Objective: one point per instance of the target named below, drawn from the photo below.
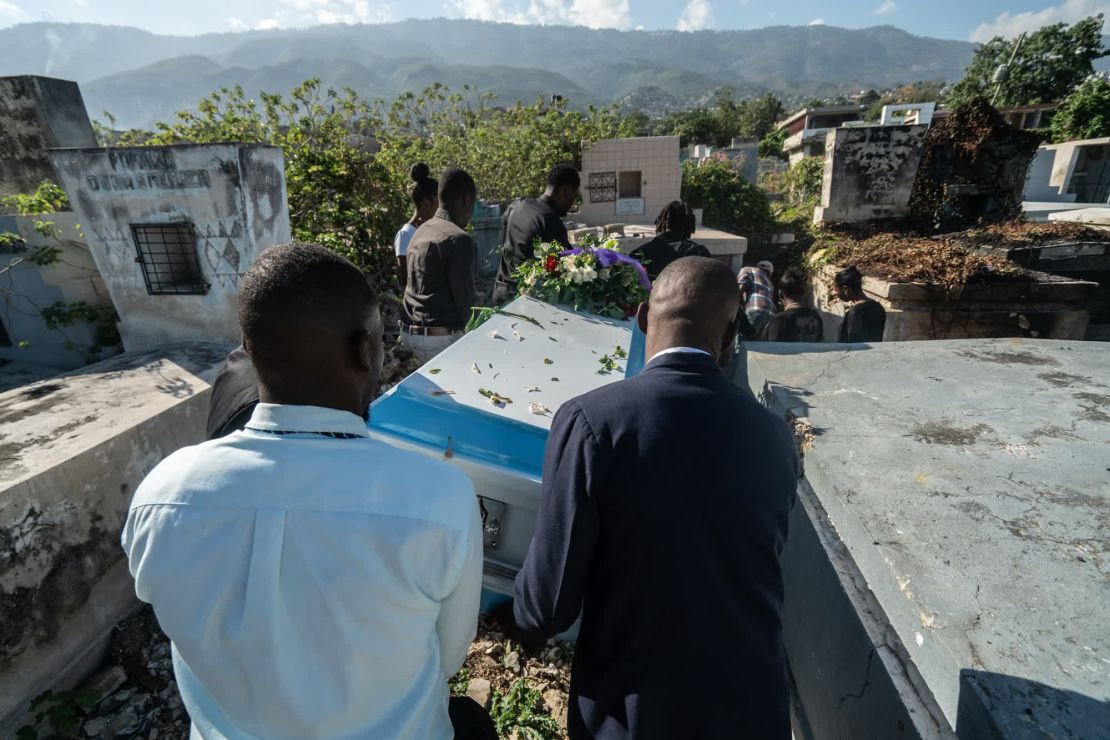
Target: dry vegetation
(947, 260)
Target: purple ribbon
(608, 258)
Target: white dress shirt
(312, 586)
(677, 350)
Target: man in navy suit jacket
(663, 517)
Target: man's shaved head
(311, 325)
(693, 303)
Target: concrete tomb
(1071, 172)
(1049, 307)
(73, 449)
(37, 114)
(946, 571)
(173, 228)
(973, 169)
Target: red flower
(551, 263)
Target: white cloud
(299, 13)
(888, 7)
(697, 15)
(816, 22)
(1009, 25)
(10, 10)
(591, 13)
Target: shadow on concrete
(996, 706)
(802, 348)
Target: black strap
(284, 432)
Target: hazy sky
(976, 20)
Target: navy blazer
(663, 518)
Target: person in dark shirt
(796, 322)
(442, 280)
(865, 319)
(535, 219)
(234, 395)
(673, 228)
(664, 510)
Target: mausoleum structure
(173, 228)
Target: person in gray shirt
(529, 220)
(442, 264)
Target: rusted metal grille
(603, 187)
(167, 254)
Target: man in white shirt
(314, 583)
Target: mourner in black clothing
(796, 322)
(677, 454)
(234, 395)
(673, 228)
(865, 319)
(442, 271)
(535, 219)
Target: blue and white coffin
(485, 404)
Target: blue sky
(956, 19)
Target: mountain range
(140, 77)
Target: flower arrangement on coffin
(594, 277)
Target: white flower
(568, 263)
(584, 275)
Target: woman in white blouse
(425, 200)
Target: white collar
(275, 417)
(677, 350)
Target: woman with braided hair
(424, 193)
(673, 228)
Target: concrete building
(28, 289)
(38, 114)
(629, 180)
(172, 229)
(907, 114)
(1029, 116)
(869, 172)
(806, 129)
(945, 573)
(1071, 172)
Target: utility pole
(1003, 72)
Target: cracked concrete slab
(969, 482)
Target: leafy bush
(520, 709)
(1085, 113)
(350, 198)
(729, 202)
